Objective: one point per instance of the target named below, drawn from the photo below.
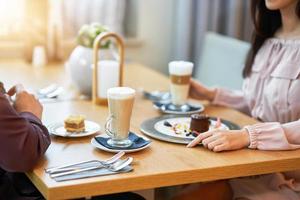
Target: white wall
(154, 28)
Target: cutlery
(55, 93)
(50, 92)
(115, 167)
(157, 95)
(68, 167)
(181, 108)
(47, 90)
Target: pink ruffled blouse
(272, 95)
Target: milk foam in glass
(180, 75)
(120, 103)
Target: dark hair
(266, 23)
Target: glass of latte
(120, 103)
(180, 75)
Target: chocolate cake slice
(199, 123)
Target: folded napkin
(137, 142)
(91, 173)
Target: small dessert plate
(169, 108)
(116, 150)
(59, 130)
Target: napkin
(91, 173)
(137, 142)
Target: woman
(271, 94)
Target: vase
(80, 69)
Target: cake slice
(75, 123)
(200, 123)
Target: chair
(222, 61)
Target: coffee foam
(120, 93)
(181, 68)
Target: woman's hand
(222, 140)
(201, 92)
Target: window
(54, 24)
(11, 18)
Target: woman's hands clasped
(222, 140)
(216, 140)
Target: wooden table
(163, 164)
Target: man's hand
(25, 102)
(2, 89)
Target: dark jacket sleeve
(23, 138)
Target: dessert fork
(70, 167)
(115, 167)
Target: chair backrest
(222, 61)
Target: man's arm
(23, 138)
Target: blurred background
(155, 31)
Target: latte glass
(120, 102)
(180, 74)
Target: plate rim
(55, 124)
(103, 148)
(147, 127)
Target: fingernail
(189, 145)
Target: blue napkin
(137, 142)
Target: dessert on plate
(199, 123)
(74, 123)
(191, 126)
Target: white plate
(184, 123)
(147, 127)
(59, 130)
(99, 146)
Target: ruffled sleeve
(231, 98)
(274, 136)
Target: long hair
(266, 23)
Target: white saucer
(59, 130)
(99, 146)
